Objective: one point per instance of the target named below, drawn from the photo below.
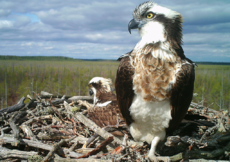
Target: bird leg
(151, 155)
(85, 103)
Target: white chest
(151, 119)
(103, 104)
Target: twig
(37, 144)
(195, 154)
(56, 111)
(58, 101)
(2, 131)
(59, 159)
(14, 119)
(28, 132)
(56, 147)
(203, 160)
(73, 146)
(91, 139)
(76, 98)
(207, 132)
(98, 148)
(44, 136)
(36, 119)
(103, 133)
(68, 109)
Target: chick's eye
(149, 15)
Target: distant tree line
(38, 58)
(62, 58)
(47, 58)
(213, 63)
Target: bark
(13, 123)
(8, 153)
(58, 159)
(13, 108)
(37, 144)
(55, 148)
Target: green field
(21, 77)
(213, 86)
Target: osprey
(104, 111)
(154, 82)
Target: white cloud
(4, 12)
(5, 24)
(98, 29)
(207, 38)
(48, 48)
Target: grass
(213, 86)
(57, 77)
(19, 78)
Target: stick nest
(56, 128)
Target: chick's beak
(90, 92)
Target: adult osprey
(104, 111)
(155, 81)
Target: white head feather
(106, 82)
(153, 31)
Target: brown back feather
(124, 88)
(107, 115)
(181, 95)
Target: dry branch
(98, 148)
(36, 119)
(203, 160)
(89, 99)
(27, 131)
(43, 93)
(55, 148)
(13, 108)
(14, 119)
(36, 144)
(8, 153)
(90, 124)
(77, 98)
(58, 159)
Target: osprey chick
(104, 111)
(154, 82)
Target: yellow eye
(149, 15)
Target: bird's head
(98, 86)
(157, 24)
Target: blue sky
(97, 29)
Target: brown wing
(107, 115)
(124, 88)
(182, 92)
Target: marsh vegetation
(70, 77)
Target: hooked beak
(90, 92)
(133, 24)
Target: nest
(56, 128)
